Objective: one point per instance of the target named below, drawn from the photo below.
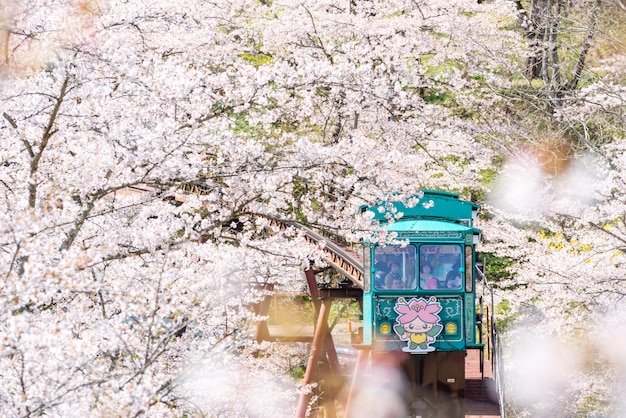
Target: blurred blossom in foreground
(611, 342)
(560, 375)
(223, 386)
(533, 184)
(35, 38)
(379, 392)
(539, 370)
(519, 190)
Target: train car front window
(394, 267)
(441, 267)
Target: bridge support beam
(317, 347)
(322, 344)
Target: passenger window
(394, 267)
(441, 267)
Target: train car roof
(433, 204)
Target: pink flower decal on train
(418, 323)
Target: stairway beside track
(480, 393)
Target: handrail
(494, 349)
(345, 262)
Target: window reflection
(441, 267)
(394, 267)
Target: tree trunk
(540, 33)
(543, 28)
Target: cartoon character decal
(418, 323)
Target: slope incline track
(343, 259)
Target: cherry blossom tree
(115, 290)
(149, 149)
(560, 184)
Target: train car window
(469, 287)
(394, 267)
(367, 265)
(441, 267)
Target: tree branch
(582, 58)
(10, 120)
(606, 231)
(78, 224)
(34, 165)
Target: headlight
(451, 328)
(385, 328)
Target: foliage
(505, 317)
(496, 267)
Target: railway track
(343, 259)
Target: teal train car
(419, 294)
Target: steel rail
(343, 260)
